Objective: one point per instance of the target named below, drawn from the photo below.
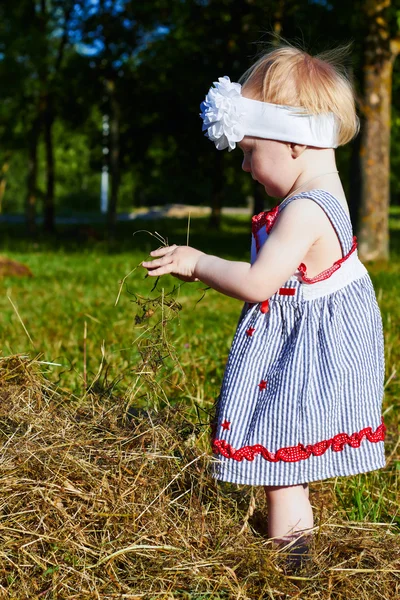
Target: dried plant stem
(188, 231)
(21, 321)
(122, 283)
(169, 485)
(135, 548)
(85, 356)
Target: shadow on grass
(233, 239)
(395, 244)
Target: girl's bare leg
(289, 510)
(290, 518)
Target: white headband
(228, 117)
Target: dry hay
(13, 268)
(97, 505)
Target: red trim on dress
(300, 452)
(328, 272)
(287, 291)
(267, 219)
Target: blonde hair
(291, 77)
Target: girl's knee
(277, 492)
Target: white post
(104, 171)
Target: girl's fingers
(164, 270)
(159, 262)
(163, 251)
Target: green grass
(76, 281)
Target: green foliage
(360, 504)
(77, 184)
(14, 197)
(159, 59)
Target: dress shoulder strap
(335, 212)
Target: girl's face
(270, 163)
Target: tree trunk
(47, 76)
(49, 210)
(373, 234)
(114, 160)
(3, 179)
(355, 183)
(30, 203)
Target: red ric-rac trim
(326, 274)
(300, 452)
(265, 219)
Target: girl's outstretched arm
(293, 234)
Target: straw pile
(96, 504)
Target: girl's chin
(273, 192)
(270, 191)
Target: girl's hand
(179, 261)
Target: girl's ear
(297, 150)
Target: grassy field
(192, 539)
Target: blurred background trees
(65, 65)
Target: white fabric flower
(221, 114)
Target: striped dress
(302, 392)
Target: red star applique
(250, 331)
(225, 425)
(262, 385)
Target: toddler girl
(302, 392)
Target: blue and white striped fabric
(302, 392)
